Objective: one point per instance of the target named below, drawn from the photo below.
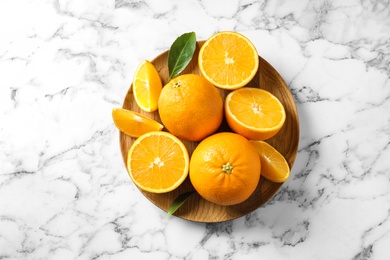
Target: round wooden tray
(286, 142)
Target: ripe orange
(147, 86)
(190, 107)
(274, 166)
(225, 168)
(158, 162)
(134, 124)
(254, 113)
(229, 60)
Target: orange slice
(254, 113)
(158, 162)
(147, 86)
(134, 124)
(274, 166)
(229, 60)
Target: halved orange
(147, 86)
(254, 113)
(134, 124)
(158, 162)
(228, 60)
(274, 166)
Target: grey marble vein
(64, 190)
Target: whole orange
(190, 107)
(225, 168)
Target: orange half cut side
(228, 60)
(254, 113)
(158, 162)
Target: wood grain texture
(286, 142)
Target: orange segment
(229, 60)
(254, 113)
(134, 124)
(158, 162)
(147, 86)
(274, 166)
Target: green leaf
(180, 53)
(178, 202)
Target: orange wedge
(147, 86)
(274, 166)
(229, 60)
(134, 124)
(158, 162)
(254, 113)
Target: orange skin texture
(218, 186)
(190, 107)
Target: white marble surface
(64, 191)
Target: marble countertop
(64, 190)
